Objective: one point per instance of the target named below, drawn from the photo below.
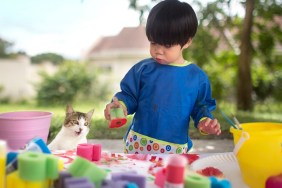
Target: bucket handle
(244, 136)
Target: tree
(244, 91)
(4, 47)
(51, 57)
(65, 85)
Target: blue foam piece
(12, 162)
(140, 180)
(37, 144)
(11, 156)
(131, 185)
(215, 183)
(121, 184)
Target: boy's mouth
(160, 61)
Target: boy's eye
(168, 46)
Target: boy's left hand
(209, 126)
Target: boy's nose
(158, 49)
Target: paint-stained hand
(209, 126)
(114, 104)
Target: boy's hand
(209, 126)
(114, 104)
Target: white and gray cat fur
(74, 130)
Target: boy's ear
(188, 43)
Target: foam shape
(11, 156)
(119, 175)
(13, 181)
(81, 167)
(75, 182)
(85, 151)
(97, 151)
(196, 180)
(3, 150)
(107, 183)
(91, 152)
(140, 180)
(120, 184)
(59, 183)
(160, 178)
(32, 166)
(131, 185)
(78, 166)
(117, 118)
(274, 181)
(216, 183)
(38, 145)
(11, 162)
(175, 169)
(39, 184)
(52, 167)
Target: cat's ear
(69, 109)
(90, 114)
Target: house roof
(133, 38)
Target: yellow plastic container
(258, 148)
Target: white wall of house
(114, 67)
(18, 77)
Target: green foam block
(81, 167)
(32, 166)
(117, 113)
(197, 181)
(52, 165)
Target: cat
(74, 130)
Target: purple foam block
(107, 184)
(119, 175)
(121, 184)
(140, 180)
(78, 182)
(62, 176)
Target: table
(148, 165)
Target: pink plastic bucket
(17, 128)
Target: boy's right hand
(114, 104)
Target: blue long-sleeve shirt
(164, 97)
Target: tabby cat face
(78, 122)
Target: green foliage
(65, 85)
(203, 47)
(50, 57)
(4, 48)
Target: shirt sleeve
(205, 104)
(130, 87)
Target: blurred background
(58, 52)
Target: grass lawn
(100, 130)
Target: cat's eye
(75, 122)
(86, 124)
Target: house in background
(115, 55)
(18, 78)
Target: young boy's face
(167, 54)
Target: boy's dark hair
(171, 22)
